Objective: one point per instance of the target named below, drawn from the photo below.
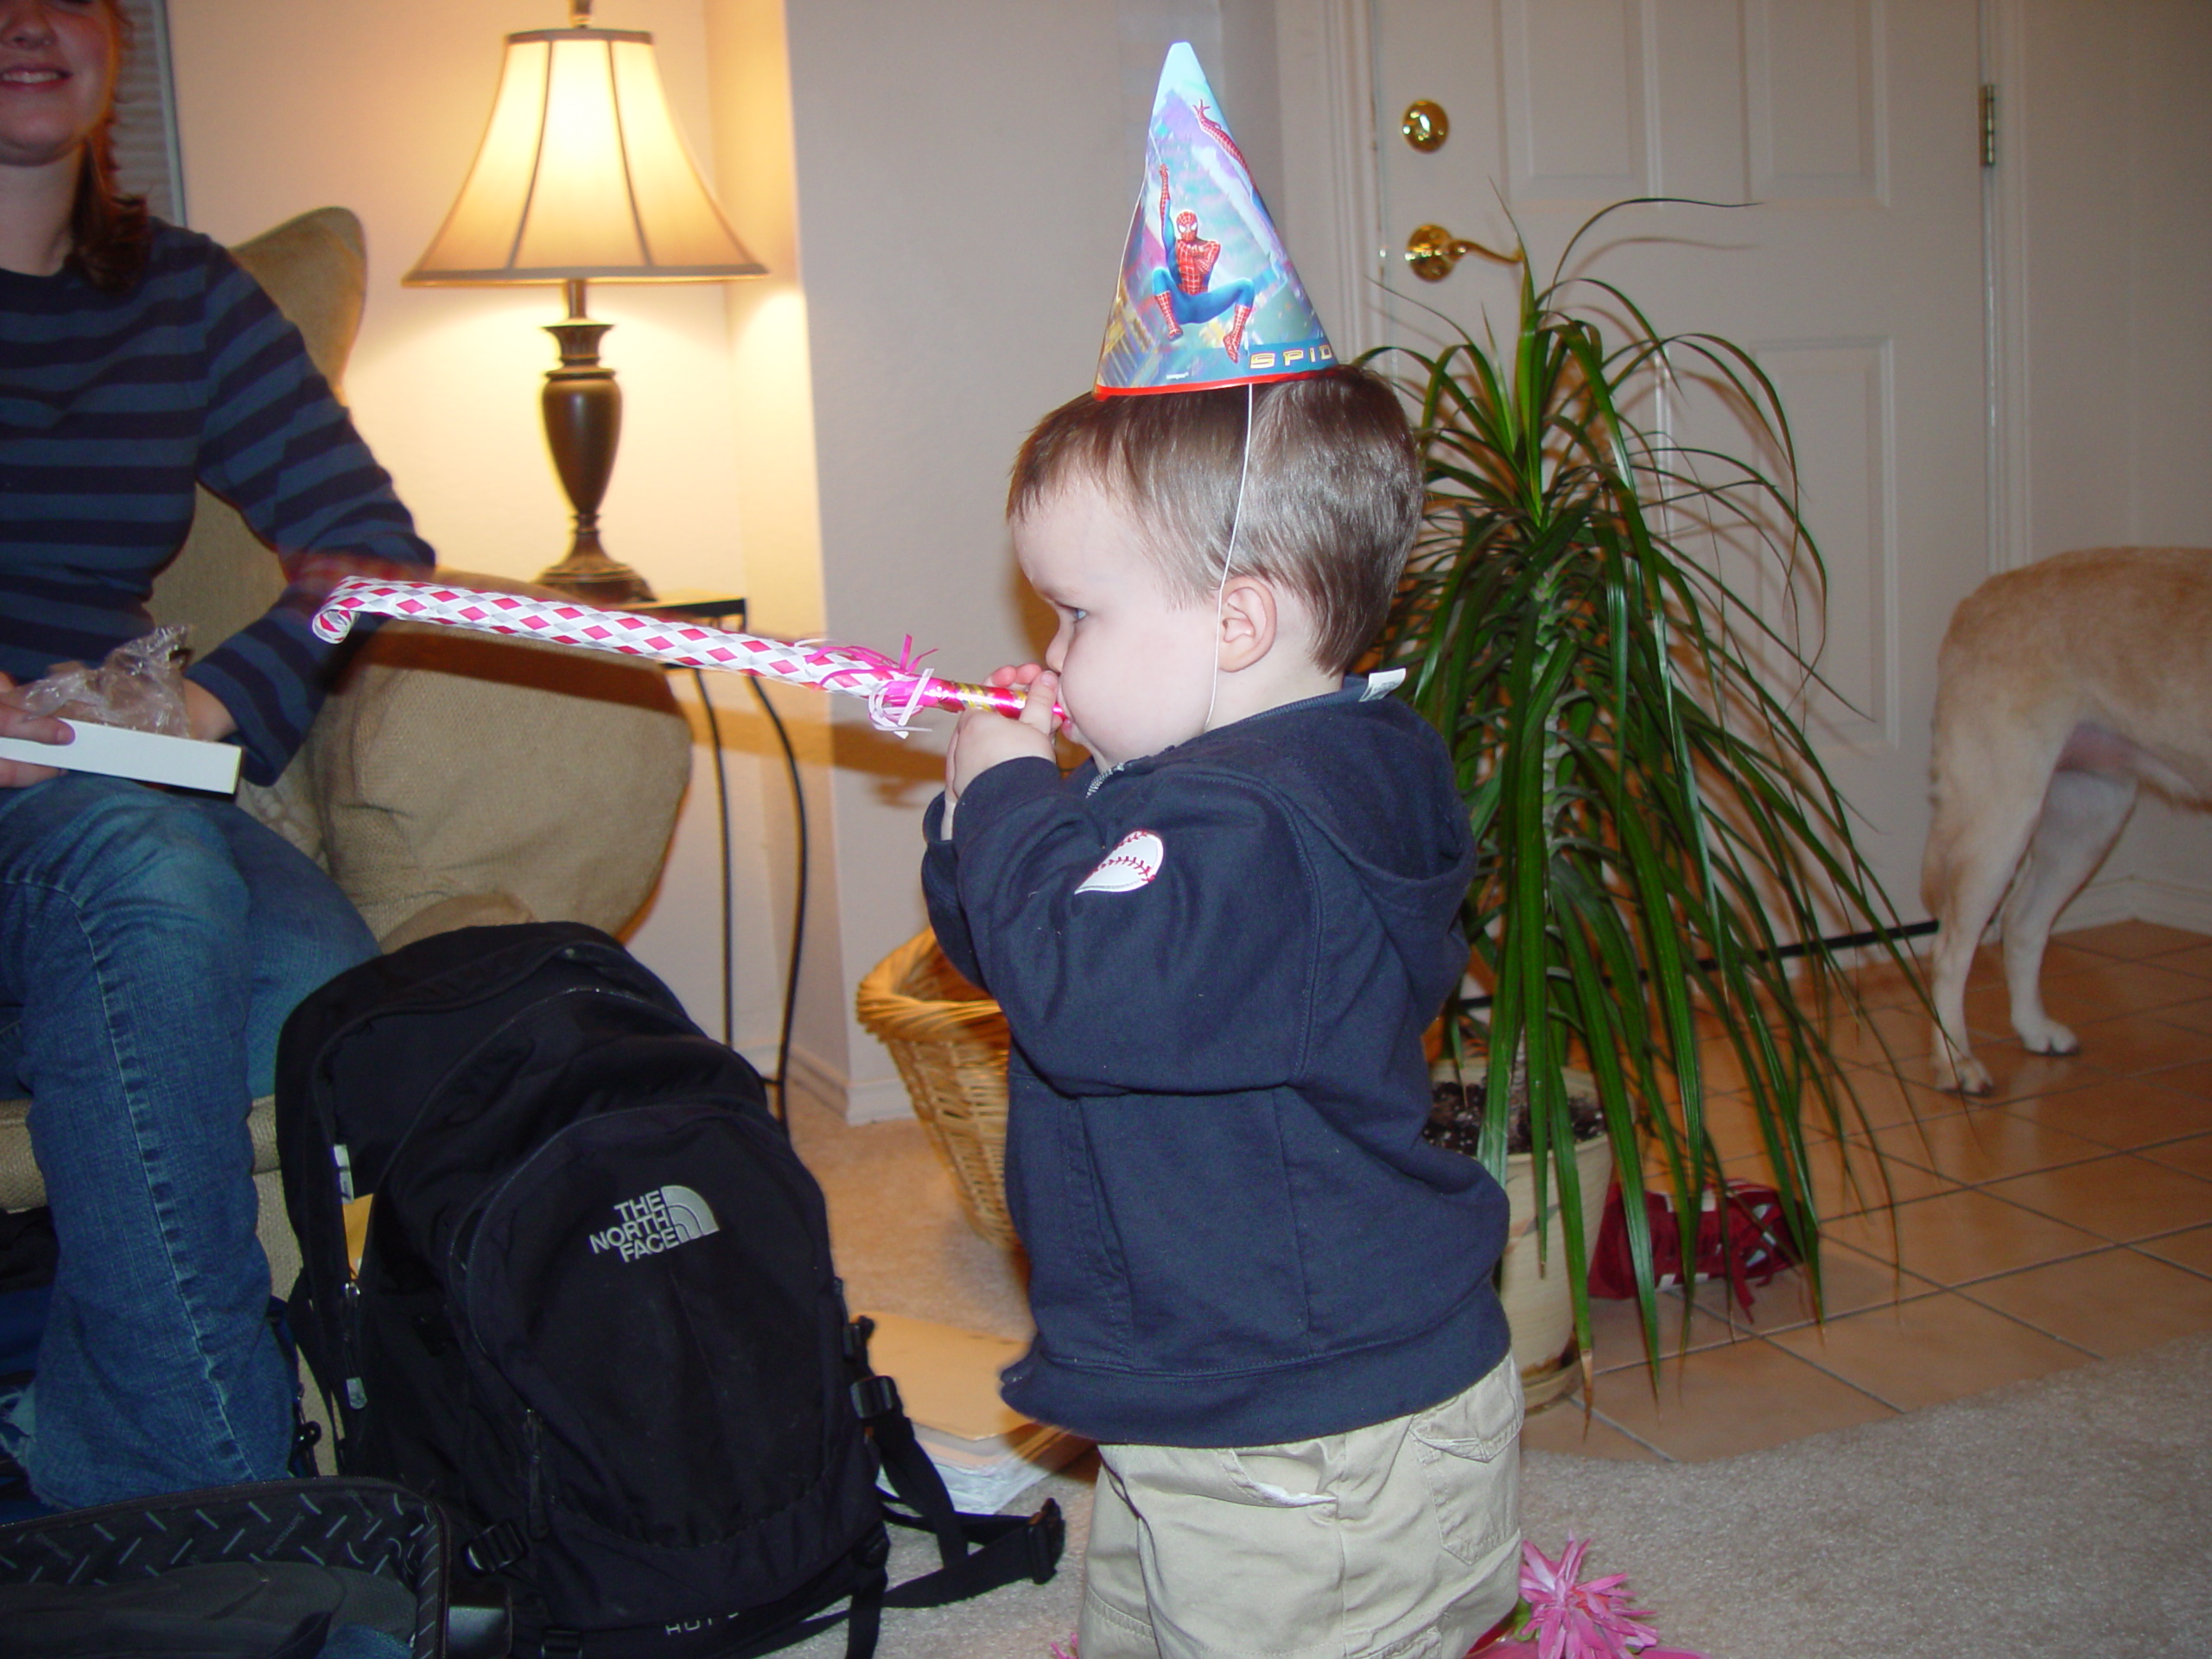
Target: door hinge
(1988, 124)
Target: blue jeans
(150, 947)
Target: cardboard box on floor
(948, 1378)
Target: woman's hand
(204, 716)
(14, 721)
(984, 738)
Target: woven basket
(950, 1041)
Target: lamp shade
(582, 174)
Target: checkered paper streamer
(894, 689)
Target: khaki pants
(1401, 1540)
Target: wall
(2107, 141)
(379, 106)
(2167, 852)
(964, 200)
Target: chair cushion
(225, 576)
(450, 766)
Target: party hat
(1207, 296)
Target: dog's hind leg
(1990, 772)
(1973, 846)
(2083, 813)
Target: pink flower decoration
(1587, 1620)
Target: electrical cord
(782, 1077)
(721, 801)
(798, 902)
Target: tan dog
(2062, 687)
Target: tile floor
(2066, 1217)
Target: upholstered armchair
(451, 779)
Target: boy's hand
(983, 739)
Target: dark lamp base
(599, 580)
(583, 422)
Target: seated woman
(152, 943)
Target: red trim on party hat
(1211, 385)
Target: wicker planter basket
(950, 1041)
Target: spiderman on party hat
(1184, 293)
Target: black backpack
(595, 1313)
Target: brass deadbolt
(1425, 125)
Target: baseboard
(873, 1100)
(2139, 899)
(881, 1100)
(822, 1084)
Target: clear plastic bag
(140, 687)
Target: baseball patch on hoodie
(1132, 864)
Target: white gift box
(181, 762)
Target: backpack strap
(1008, 1548)
(862, 1616)
(976, 1552)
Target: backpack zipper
(538, 1510)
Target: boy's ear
(1248, 622)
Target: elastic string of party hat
(1228, 556)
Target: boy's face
(1135, 659)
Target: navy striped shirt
(111, 406)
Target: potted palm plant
(1662, 851)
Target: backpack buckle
(855, 1335)
(875, 1396)
(496, 1548)
(1043, 1540)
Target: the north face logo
(656, 1220)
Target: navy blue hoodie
(1217, 964)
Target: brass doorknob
(1432, 251)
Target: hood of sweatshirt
(1415, 860)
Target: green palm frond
(1656, 830)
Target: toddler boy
(1216, 944)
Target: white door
(1857, 281)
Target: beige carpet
(2073, 1514)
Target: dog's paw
(2050, 1038)
(1961, 1072)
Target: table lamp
(582, 176)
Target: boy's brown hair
(1332, 493)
